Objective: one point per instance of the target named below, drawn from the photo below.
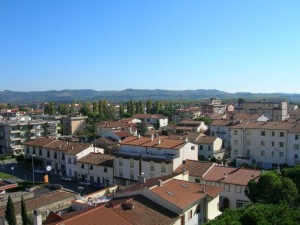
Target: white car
(85, 183)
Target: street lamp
(32, 168)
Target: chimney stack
(152, 137)
(159, 183)
(37, 218)
(159, 141)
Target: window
(296, 146)
(280, 154)
(105, 170)
(235, 132)
(248, 142)
(262, 143)
(296, 156)
(200, 147)
(152, 168)
(120, 162)
(74, 161)
(132, 174)
(272, 143)
(120, 172)
(163, 167)
(48, 154)
(296, 137)
(238, 189)
(40, 151)
(63, 156)
(82, 166)
(209, 148)
(272, 153)
(263, 133)
(33, 151)
(248, 132)
(55, 155)
(241, 204)
(227, 187)
(197, 180)
(281, 134)
(248, 152)
(235, 142)
(281, 144)
(193, 147)
(190, 214)
(273, 133)
(69, 160)
(131, 163)
(262, 153)
(235, 151)
(27, 150)
(91, 167)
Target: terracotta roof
(222, 122)
(191, 136)
(195, 168)
(122, 133)
(271, 125)
(184, 193)
(184, 128)
(165, 142)
(97, 159)
(71, 148)
(110, 124)
(40, 201)
(5, 185)
(205, 140)
(190, 122)
(230, 175)
(40, 142)
(149, 116)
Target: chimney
(159, 141)
(186, 140)
(159, 183)
(139, 136)
(225, 175)
(152, 137)
(37, 218)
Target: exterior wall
(213, 208)
(163, 122)
(77, 125)
(259, 149)
(188, 151)
(222, 132)
(293, 157)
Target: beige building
(73, 124)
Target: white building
(154, 157)
(153, 119)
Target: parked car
(85, 183)
(40, 171)
(66, 178)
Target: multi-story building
(191, 126)
(62, 156)
(73, 124)
(153, 119)
(186, 114)
(13, 134)
(265, 144)
(274, 111)
(215, 106)
(154, 157)
(96, 168)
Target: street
(11, 167)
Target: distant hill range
(137, 94)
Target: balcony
(15, 138)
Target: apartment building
(188, 113)
(154, 157)
(191, 126)
(215, 106)
(62, 156)
(96, 168)
(274, 111)
(265, 144)
(13, 134)
(153, 119)
(73, 124)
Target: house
(215, 106)
(191, 126)
(96, 168)
(155, 120)
(108, 126)
(62, 156)
(187, 113)
(116, 135)
(73, 124)
(155, 157)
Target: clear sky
(242, 45)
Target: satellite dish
(48, 168)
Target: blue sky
(113, 45)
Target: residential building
(215, 106)
(73, 124)
(293, 145)
(62, 156)
(191, 126)
(13, 134)
(116, 135)
(96, 168)
(155, 157)
(155, 120)
(275, 111)
(188, 113)
(107, 126)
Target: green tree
(24, 215)
(85, 109)
(111, 112)
(121, 112)
(71, 109)
(149, 106)
(241, 100)
(62, 109)
(205, 119)
(141, 107)
(10, 215)
(272, 189)
(95, 107)
(130, 108)
(142, 128)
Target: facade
(153, 119)
(191, 126)
(155, 157)
(13, 134)
(73, 124)
(96, 168)
(209, 147)
(62, 156)
(186, 114)
(274, 111)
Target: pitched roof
(184, 193)
(40, 142)
(149, 116)
(122, 133)
(205, 140)
(271, 125)
(195, 168)
(97, 159)
(238, 176)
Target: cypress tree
(25, 217)
(10, 215)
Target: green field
(5, 175)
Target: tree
(149, 106)
(272, 189)
(95, 107)
(142, 128)
(241, 100)
(205, 119)
(10, 215)
(24, 215)
(121, 112)
(62, 109)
